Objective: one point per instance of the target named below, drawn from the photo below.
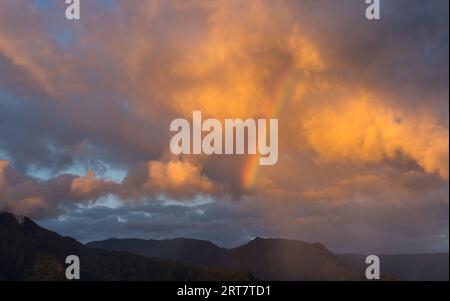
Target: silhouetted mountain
(190, 251)
(29, 252)
(410, 267)
(268, 259)
(281, 259)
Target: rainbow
(281, 95)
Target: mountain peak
(13, 219)
(285, 241)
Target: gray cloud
(351, 228)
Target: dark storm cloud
(405, 53)
(41, 132)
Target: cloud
(22, 194)
(176, 179)
(25, 195)
(362, 130)
(349, 228)
(90, 187)
(227, 59)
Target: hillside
(29, 252)
(268, 259)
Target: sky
(86, 106)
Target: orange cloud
(364, 130)
(22, 194)
(177, 179)
(90, 187)
(228, 59)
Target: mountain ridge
(30, 252)
(266, 258)
(341, 266)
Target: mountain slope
(281, 259)
(268, 259)
(29, 252)
(190, 251)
